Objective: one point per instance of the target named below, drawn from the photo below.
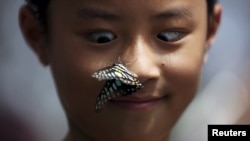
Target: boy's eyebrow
(180, 12)
(96, 13)
(92, 13)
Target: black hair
(39, 7)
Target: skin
(168, 70)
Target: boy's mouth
(135, 103)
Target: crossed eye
(102, 37)
(170, 36)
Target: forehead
(131, 6)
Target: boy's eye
(101, 37)
(170, 36)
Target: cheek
(74, 83)
(182, 74)
(72, 70)
(185, 74)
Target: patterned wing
(119, 72)
(119, 82)
(126, 89)
(107, 92)
(113, 89)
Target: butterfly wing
(119, 82)
(119, 72)
(113, 89)
(108, 92)
(126, 89)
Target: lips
(136, 103)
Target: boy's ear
(214, 22)
(32, 33)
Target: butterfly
(117, 71)
(119, 82)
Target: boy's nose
(141, 59)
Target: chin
(142, 125)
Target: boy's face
(164, 39)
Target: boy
(163, 41)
